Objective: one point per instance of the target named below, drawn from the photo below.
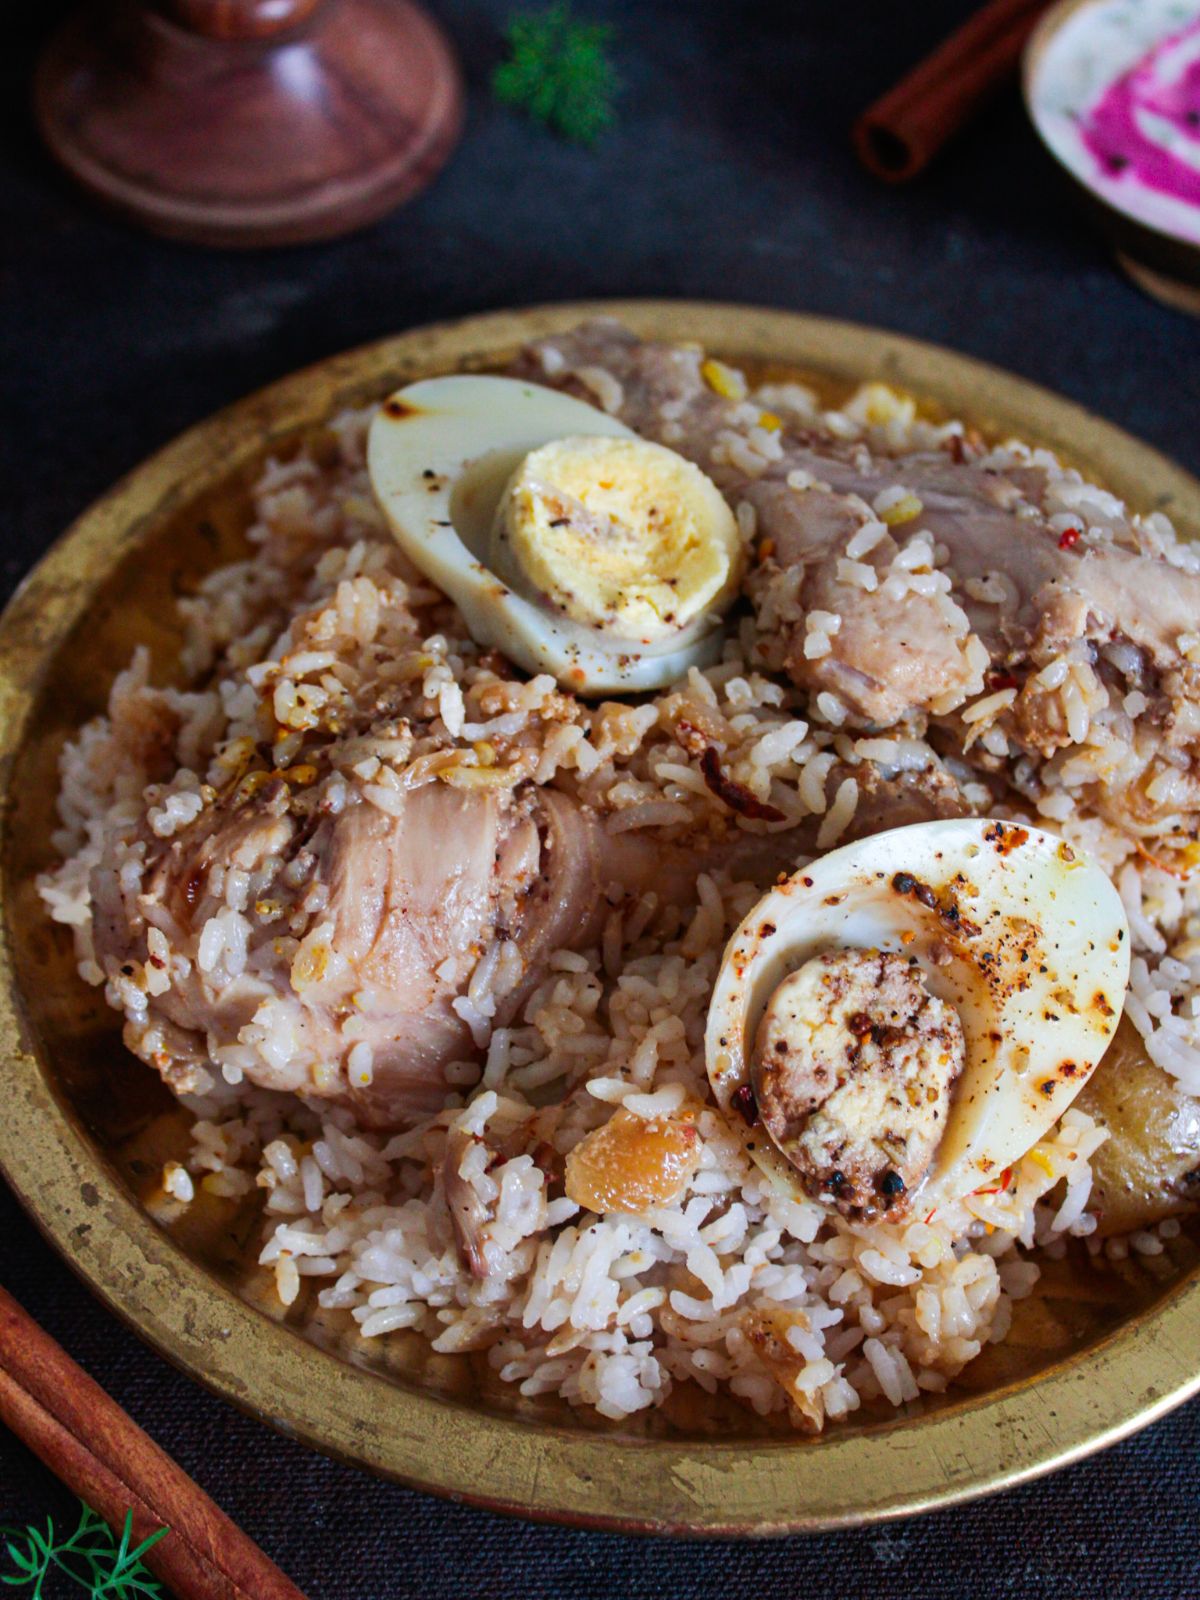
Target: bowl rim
(1132, 1375)
(1155, 248)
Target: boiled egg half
(566, 540)
(905, 1018)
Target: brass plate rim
(754, 1488)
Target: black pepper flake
(891, 1184)
(905, 883)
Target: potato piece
(1149, 1166)
(633, 1163)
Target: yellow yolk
(619, 534)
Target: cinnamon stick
(100, 1453)
(900, 134)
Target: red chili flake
(931, 1216)
(1002, 680)
(743, 1102)
(1001, 1184)
(1069, 538)
(1006, 837)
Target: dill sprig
(92, 1558)
(558, 72)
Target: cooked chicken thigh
(367, 928)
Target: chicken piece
(363, 919)
(854, 1064)
(888, 655)
(1086, 632)
(347, 973)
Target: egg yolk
(621, 535)
(854, 1064)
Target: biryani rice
(734, 1287)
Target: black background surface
(728, 177)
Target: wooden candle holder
(250, 122)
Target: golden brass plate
(1096, 1354)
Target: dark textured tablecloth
(728, 177)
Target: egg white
(440, 454)
(1026, 938)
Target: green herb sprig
(559, 73)
(92, 1558)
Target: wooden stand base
(236, 131)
